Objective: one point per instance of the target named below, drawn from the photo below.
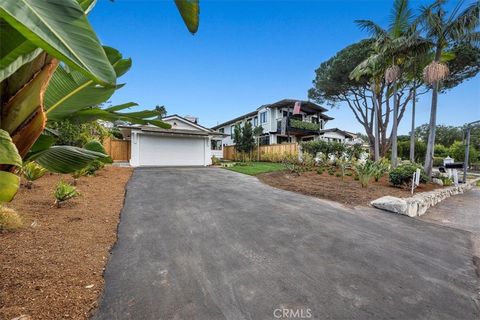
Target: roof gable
(186, 124)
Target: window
(221, 130)
(232, 131)
(264, 140)
(285, 113)
(255, 121)
(216, 144)
(263, 117)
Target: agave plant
(31, 171)
(35, 87)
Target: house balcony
(298, 127)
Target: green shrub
(215, 161)
(63, 192)
(380, 168)
(327, 148)
(404, 150)
(437, 161)
(331, 171)
(365, 172)
(32, 171)
(308, 162)
(95, 145)
(320, 170)
(441, 151)
(9, 220)
(343, 163)
(93, 167)
(291, 163)
(402, 175)
(348, 174)
(338, 175)
(446, 181)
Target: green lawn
(254, 168)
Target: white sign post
(415, 179)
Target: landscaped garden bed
(52, 268)
(346, 191)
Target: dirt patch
(347, 191)
(53, 267)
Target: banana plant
(51, 41)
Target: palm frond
(400, 17)
(465, 23)
(372, 28)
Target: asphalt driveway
(204, 243)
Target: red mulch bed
(48, 267)
(347, 191)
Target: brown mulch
(347, 191)
(52, 268)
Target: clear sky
(245, 54)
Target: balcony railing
(299, 126)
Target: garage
(161, 150)
(186, 143)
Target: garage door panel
(171, 151)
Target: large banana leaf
(112, 114)
(66, 159)
(70, 91)
(190, 12)
(9, 182)
(61, 28)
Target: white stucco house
(338, 135)
(186, 143)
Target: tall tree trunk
(412, 132)
(431, 131)
(376, 146)
(394, 127)
(428, 166)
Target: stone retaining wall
(418, 204)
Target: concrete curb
(418, 204)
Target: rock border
(419, 203)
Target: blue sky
(245, 54)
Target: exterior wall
(333, 136)
(179, 124)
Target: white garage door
(171, 151)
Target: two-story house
(279, 123)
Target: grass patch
(254, 168)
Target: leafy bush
(93, 167)
(291, 163)
(441, 151)
(364, 172)
(9, 219)
(437, 161)
(331, 171)
(320, 170)
(63, 192)
(73, 134)
(32, 171)
(404, 150)
(402, 175)
(308, 162)
(335, 149)
(446, 181)
(380, 168)
(338, 175)
(457, 152)
(96, 146)
(215, 161)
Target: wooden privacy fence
(273, 152)
(118, 149)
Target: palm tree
(391, 45)
(444, 31)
